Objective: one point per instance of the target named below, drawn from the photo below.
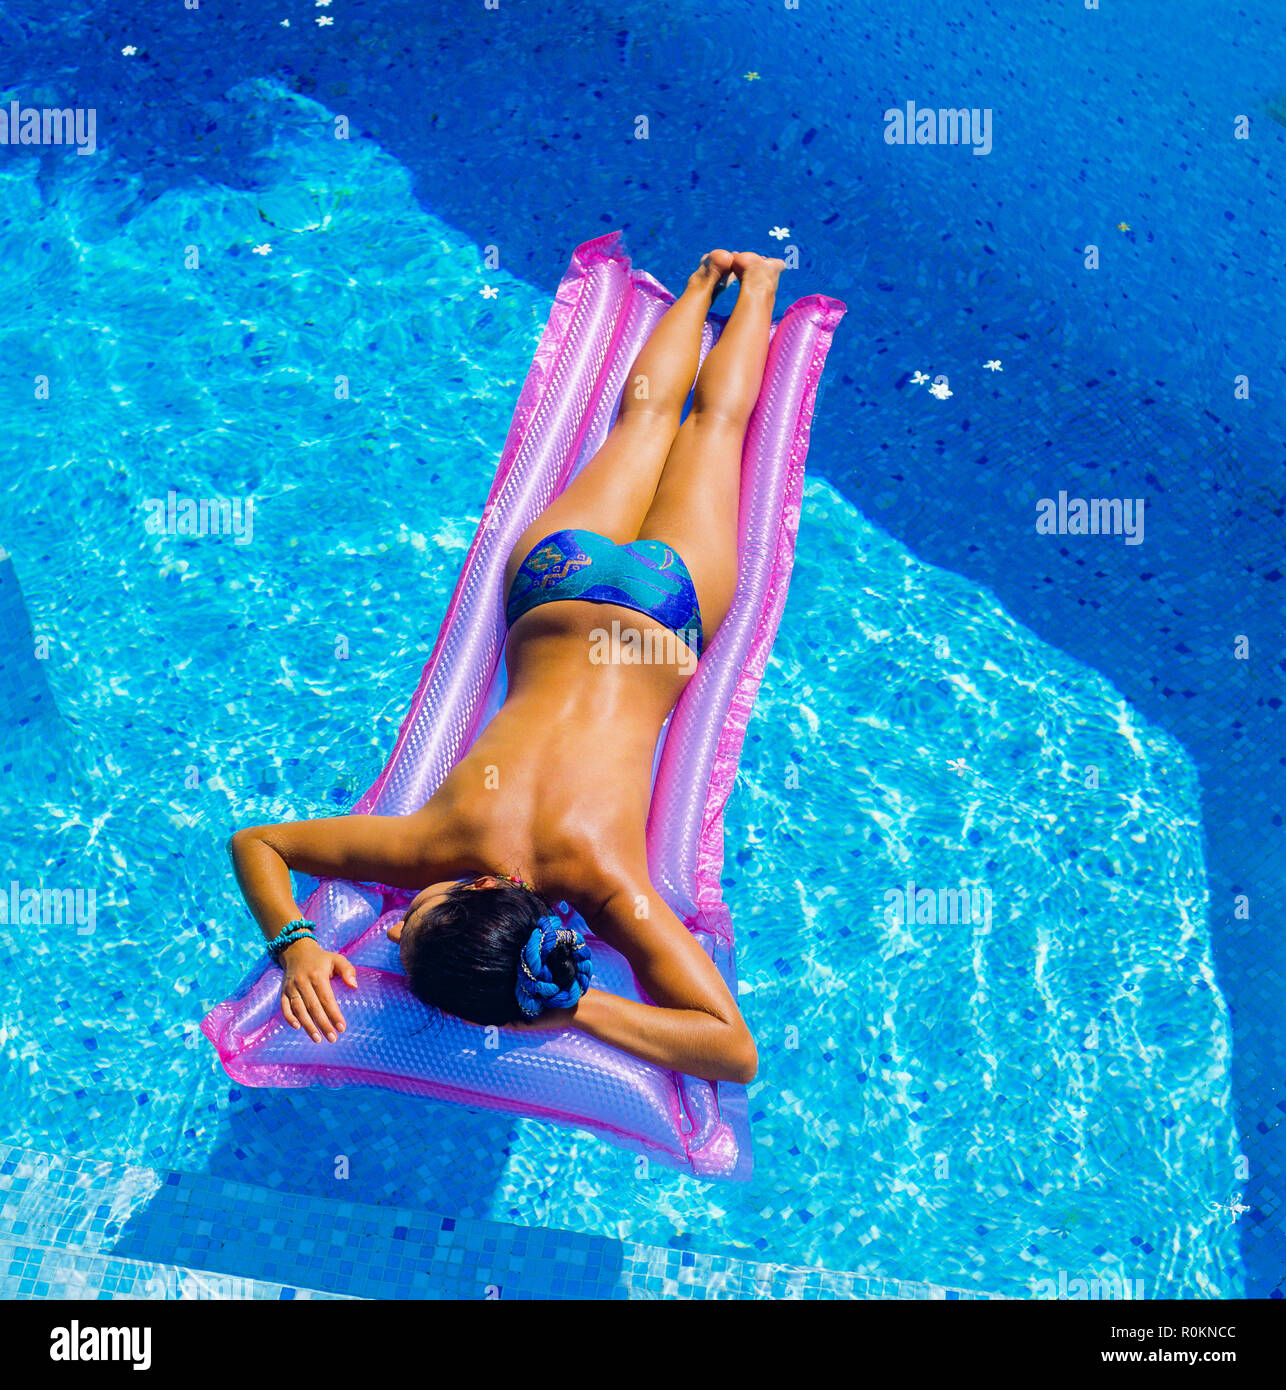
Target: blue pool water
(984, 1106)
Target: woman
(552, 800)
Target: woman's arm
(381, 849)
(687, 1040)
(373, 849)
(693, 1025)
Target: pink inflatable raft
(602, 314)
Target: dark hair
(463, 954)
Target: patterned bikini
(645, 575)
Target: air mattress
(601, 316)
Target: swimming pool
(976, 1107)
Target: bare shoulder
(626, 904)
(666, 958)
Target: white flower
(285, 24)
(957, 765)
(1234, 1206)
(941, 390)
(489, 291)
(779, 232)
(264, 249)
(993, 365)
(128, 51)
(320, 4)
(919, 379)
(324, 19)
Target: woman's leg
(695, 507)
(611, 494)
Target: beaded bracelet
(300, 924)
(287, 939)
(289, 934)
(279, 943)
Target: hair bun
(536, 989)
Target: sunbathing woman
(551, 802)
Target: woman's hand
(307, 1000)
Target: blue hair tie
(536, 990)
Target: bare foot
(757, 272)
(712, 275)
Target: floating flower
(489, 291)
(752, 77)
(993, 365)
(919, 378)
(779, 232)
(1122, 226)
(957, 765)
(1234, 1207)
(263, 250)
(941, 390)
(325, 19)
(129, 50)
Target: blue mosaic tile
(190, 1235)
(1087, 380)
